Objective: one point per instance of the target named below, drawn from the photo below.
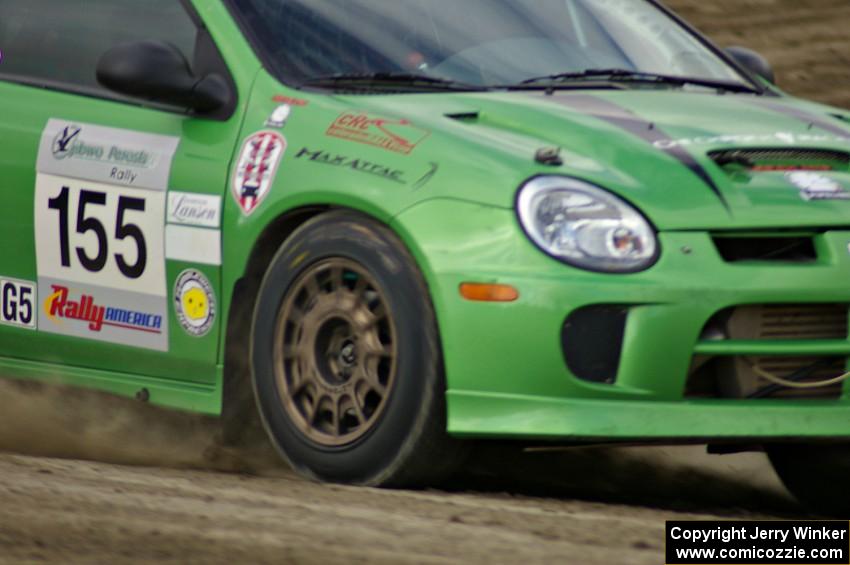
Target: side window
(60, 41)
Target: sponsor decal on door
(100, 208)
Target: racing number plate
(99, 232)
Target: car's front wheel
(815, 474)
(346, 360)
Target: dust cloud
(58, 422)
(53, 421)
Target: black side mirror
(159, 72)
(753, 62)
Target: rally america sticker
(256, 169)
(102, 314)
(194, 303)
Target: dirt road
(162, 493)
(184, 501)
(79, 512)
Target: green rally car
(402, 225)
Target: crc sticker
(100, 208)
(256, 168)
(194, 303)
(816, 186)
(18, 303)
(399, 136)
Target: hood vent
(464, 116)
(783, 159)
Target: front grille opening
(782, 159)
(734, 249)
(736, 376)
(592, 342)
(786, 321)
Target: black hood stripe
(647, 131)
(803, 116)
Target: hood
(687, 159)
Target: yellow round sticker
(194, 303)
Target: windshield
(476, 42)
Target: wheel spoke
(372, 381)
(313, 288)
(361, 417)
(360, 288)
(336, 279)
(298, 387)
(335, 403)
(383, 351)
(295, 316)
(314, 409)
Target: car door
(111, 209)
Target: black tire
(815, 475)
(406, 444)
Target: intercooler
(748, 376)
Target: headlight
(586, 226)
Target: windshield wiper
(375, 81)
(626, 75)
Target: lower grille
(736, 376)
(734, 249)
(756, 386)
(592, 342)
(789, 321)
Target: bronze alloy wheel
(334, 353)
(346, 364)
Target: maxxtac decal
(100, 207)
(398, 136)
(194, 303)
(256, 169)
(352, 163)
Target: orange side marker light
(477, 292)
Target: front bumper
(504, 363)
